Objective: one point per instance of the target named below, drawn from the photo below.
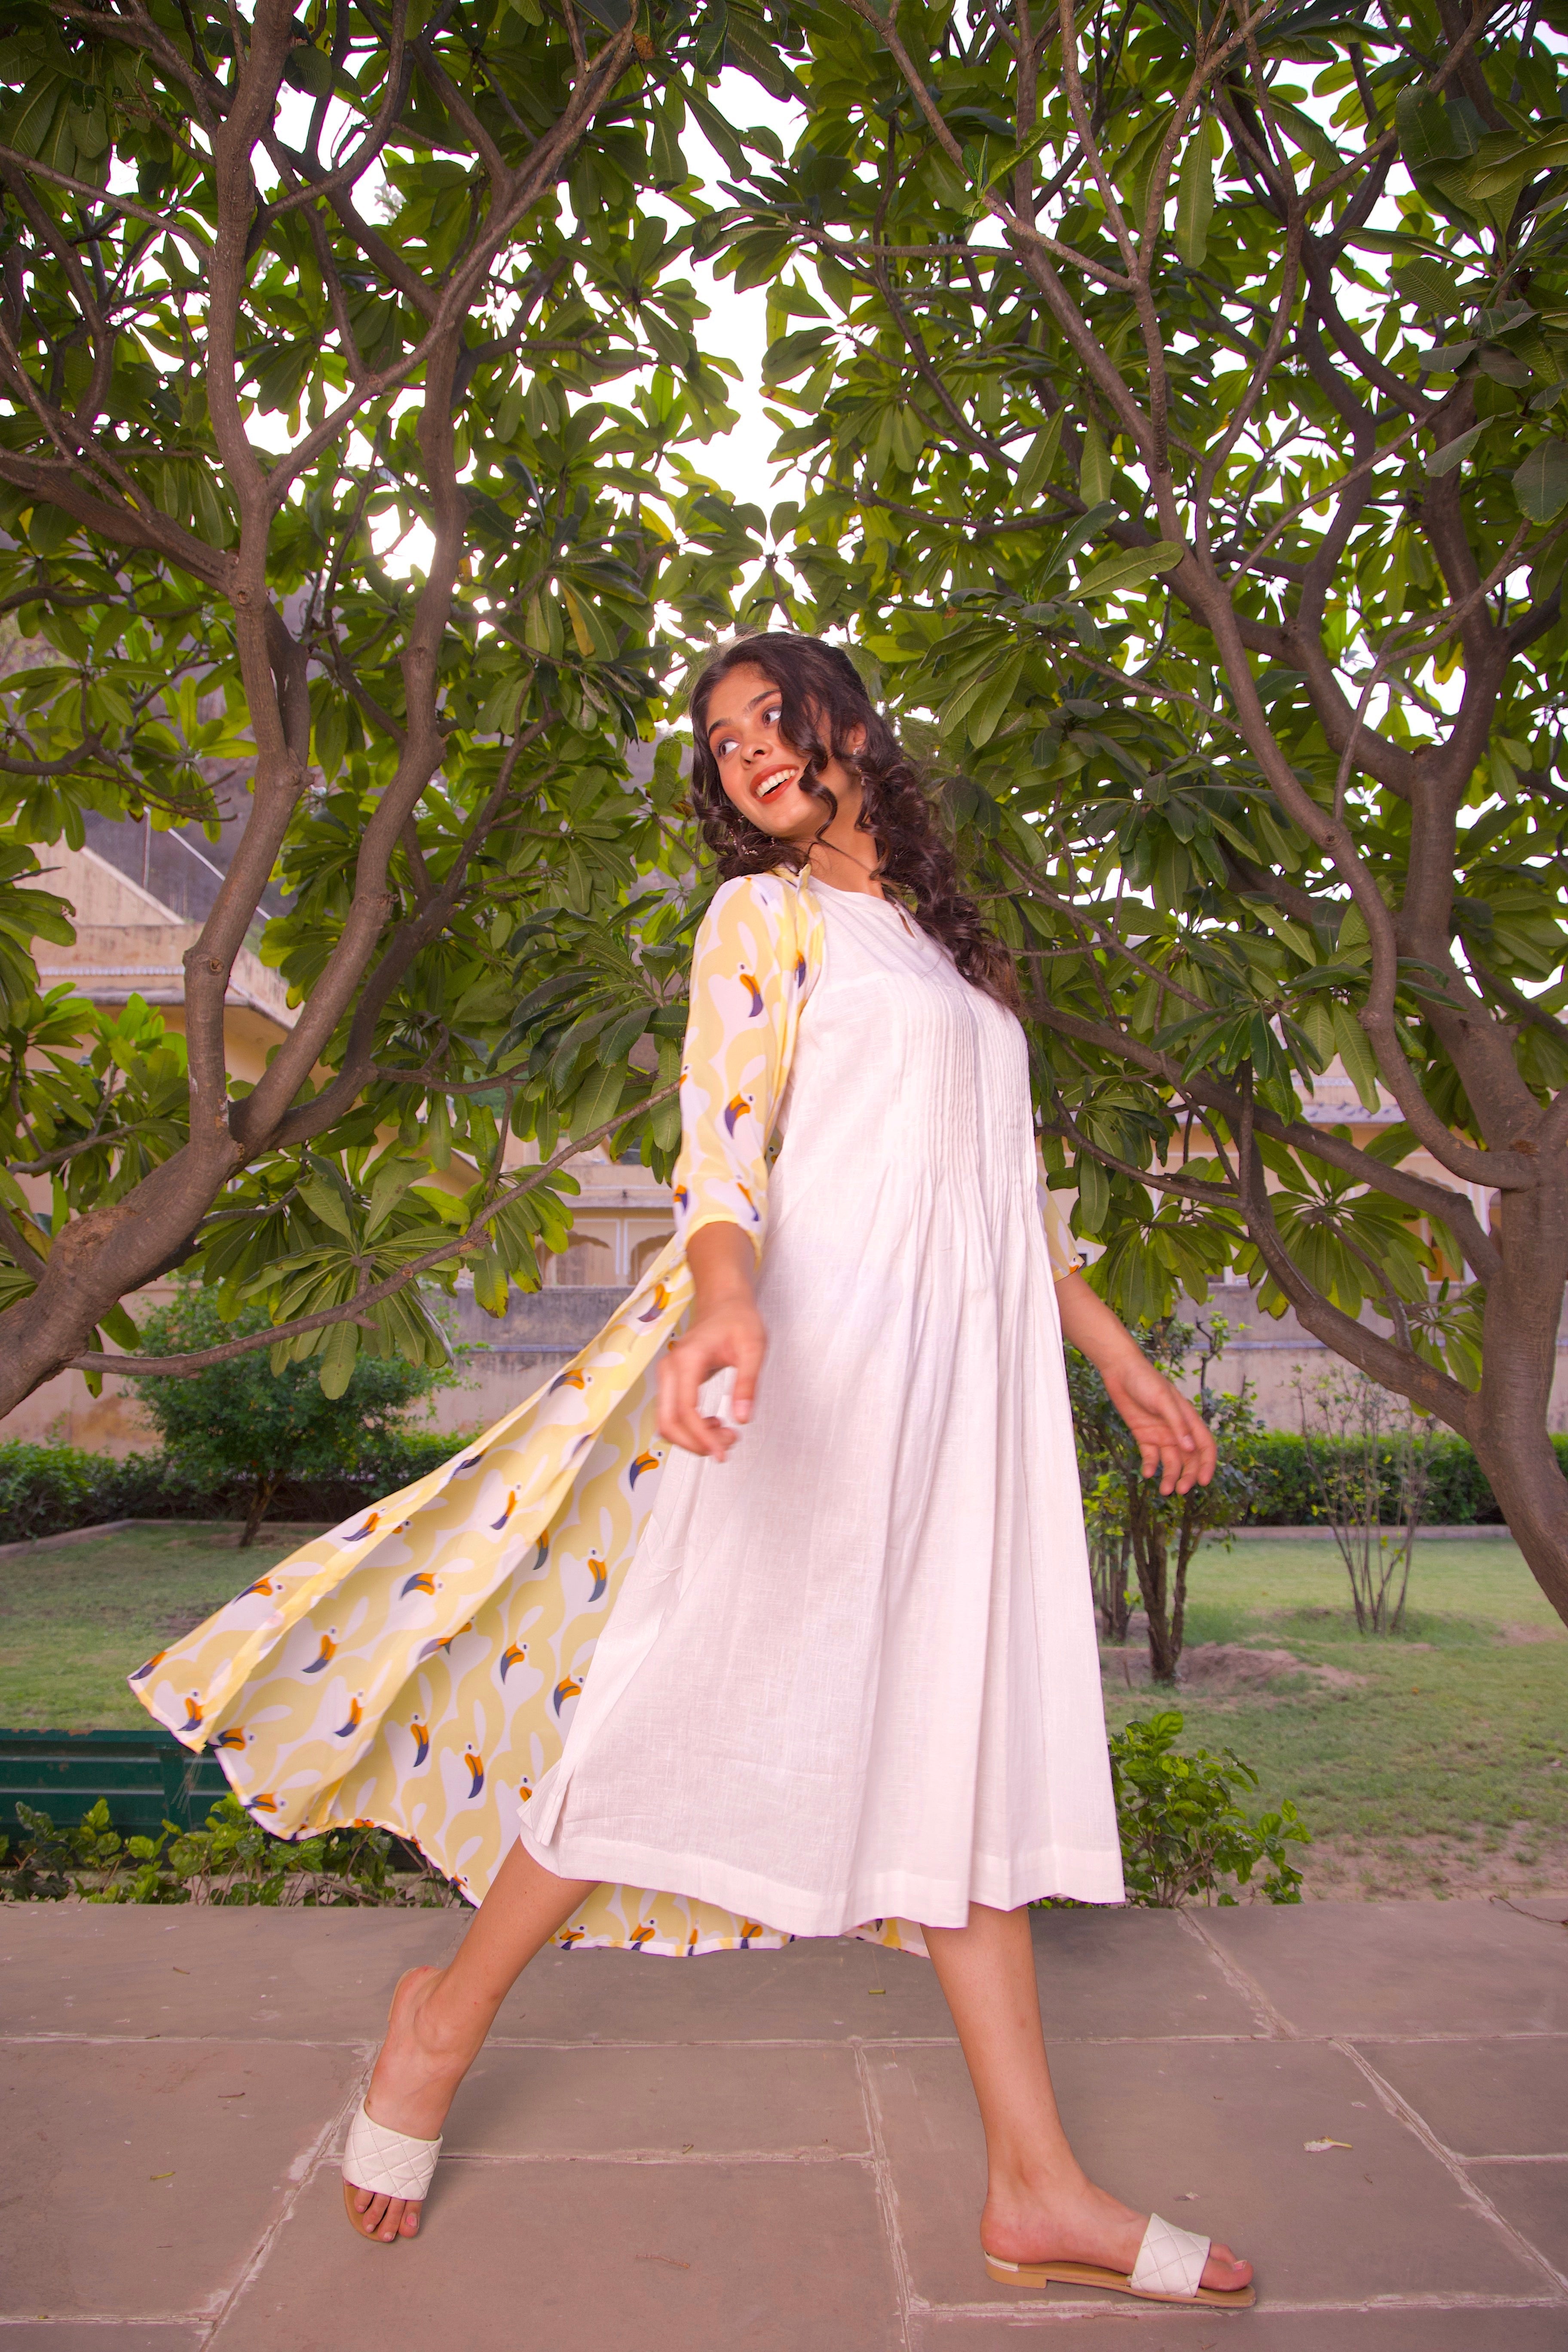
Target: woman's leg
(440, 2018)
(1040, 2205)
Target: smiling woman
(675, 1657)
(790, 757)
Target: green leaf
(1453, 453)
(1094, 467)
(1540, 484)
(1195, 199)
(1129, 568)
(1355, 1052)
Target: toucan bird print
(643, 1933)
(369, 1528)
(232, 1738)
(356, 1716)
(643, 1462)
(567, 1687)
(656, 1305)
(747, 980)
(420, 1735)
(153, 1663)
(735, 1109)
(422, 1582)
(328, 1652)
(514, 1655)
(476, 1772)
(756, 1213)
(575, 1379)
(601, 1576)
(193, 1721)
(497, 1524)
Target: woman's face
(760, 771)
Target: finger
(682, 1375)
(748, 1364)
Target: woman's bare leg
(440, 2018)
(1040, 2205)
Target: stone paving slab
(1215, 2138)
(67, 1968)
(591, 2258)
(1483, 2098)
(780, 2150)
(1475, 2329)
(672, 2100)
(1364, 1970)
(1534, 2199)
(137, 2177)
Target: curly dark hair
(824, 706)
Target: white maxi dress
(852, 1673)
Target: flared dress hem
(1001, 1884)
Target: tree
(278, 294)
(240, 1423)
(1129, 1519)
(1181, 414)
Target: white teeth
(775, 783)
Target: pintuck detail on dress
(419, 1668)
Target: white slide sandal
(1169, 2269)
(388, 2163)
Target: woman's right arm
(747, 983)
(725, 1331)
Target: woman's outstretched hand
(725, 1333)
(1173, 1438)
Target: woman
(850, 1671)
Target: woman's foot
(1083, 2224)
(411, 2088)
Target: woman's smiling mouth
(765, 786)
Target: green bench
(145, 1778)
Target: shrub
(231, 1861)
(249, 1425)
(1126, 1515)
(47, 1490)
(1183, 1831)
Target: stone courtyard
(777, 2150)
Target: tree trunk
(262, 1493)
(1150, 1557)
(1508, 1424)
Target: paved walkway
(779, 2151)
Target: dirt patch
(1222, 1670)
(1523, 1861)
(1515, 1634)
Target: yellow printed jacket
(415, 1667)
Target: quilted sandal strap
(389, 2163)
(1170, 2260)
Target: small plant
(1351, 1426)
(1184, 1832)
(230, 1860)
(1127, 1517)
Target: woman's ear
(854, 742)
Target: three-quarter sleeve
(750, 977)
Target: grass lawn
(1443, 1769)
(76, 1618)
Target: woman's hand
(725, 1331)
(1172, 1437)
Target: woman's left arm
(1173, 1438)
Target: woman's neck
(843, 857)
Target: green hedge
(46, 1490)
(1459, 1494)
